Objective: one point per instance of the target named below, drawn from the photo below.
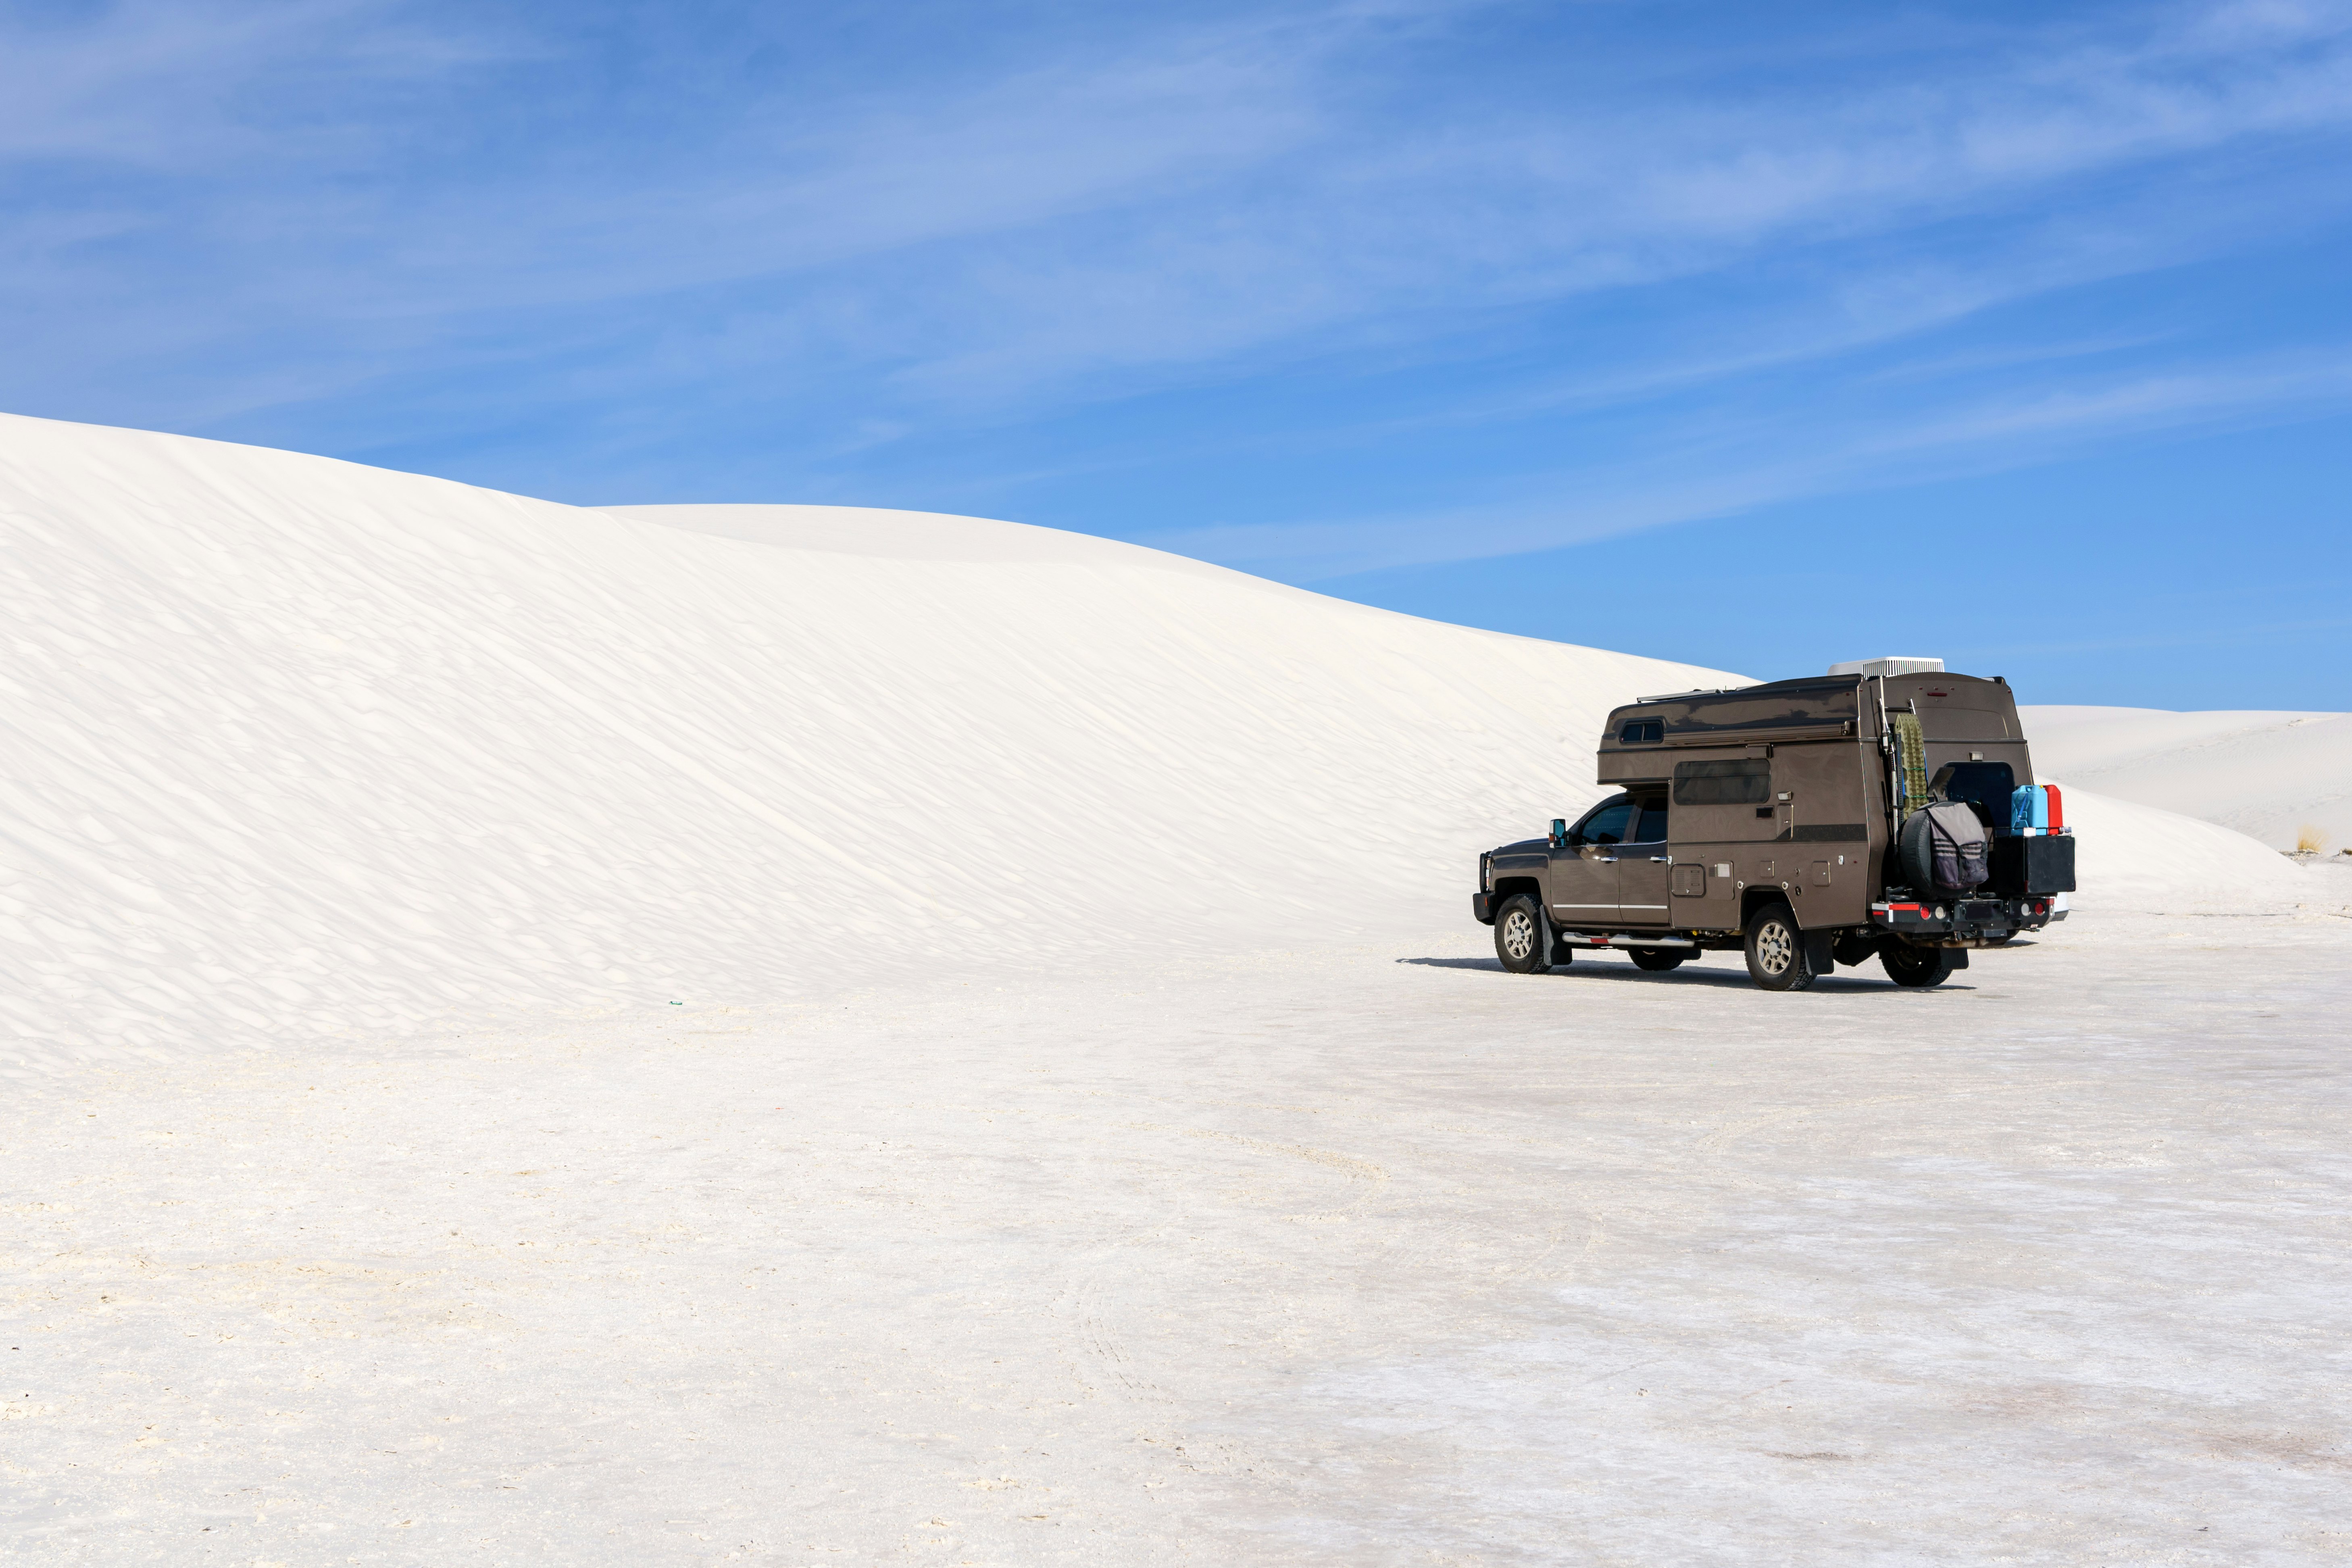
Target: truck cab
(1785, 806)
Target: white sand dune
(2199, 867)
(2266, 775)
(2135, 858)
(301, 748)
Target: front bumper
(1482, 905)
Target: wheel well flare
(1510, 887)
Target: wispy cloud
(179, 87)
(378, 225)
(1774, 463)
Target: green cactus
(1911, 756)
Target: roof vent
(1889, 666)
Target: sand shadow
(1733, 975)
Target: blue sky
(1754, 335)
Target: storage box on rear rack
(2025, 867)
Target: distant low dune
(2272, 776)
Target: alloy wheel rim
(1518, 935)
(1774, 949)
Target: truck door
(1643, 866)
(1584, 874)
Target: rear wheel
(1519, 936)
(1657, 960)
(1777, 959)
(1909, 966)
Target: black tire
(1520, 938)
(1778, 957)
(1915, 854)
(1657, 960)
(1915, 966)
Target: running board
(1626, 940)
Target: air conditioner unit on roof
(1889, 666)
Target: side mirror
(1560, 833)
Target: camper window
(1743, 781)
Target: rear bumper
(1963, 921)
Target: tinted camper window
(1643, 733)
(1748, 782)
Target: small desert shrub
(2310, 840)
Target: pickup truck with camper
(1885, 810)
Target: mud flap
(1561, 953)
(1960, 957)
(1820, 948)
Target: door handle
(1661, 859)
(1605, 859)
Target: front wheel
(1519, 936)
(1909, 966)
(1657, 960)
(1777, 959)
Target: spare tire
(1915, 852)
(1914, 847)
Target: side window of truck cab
(1651, 828)
(1606, 824)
